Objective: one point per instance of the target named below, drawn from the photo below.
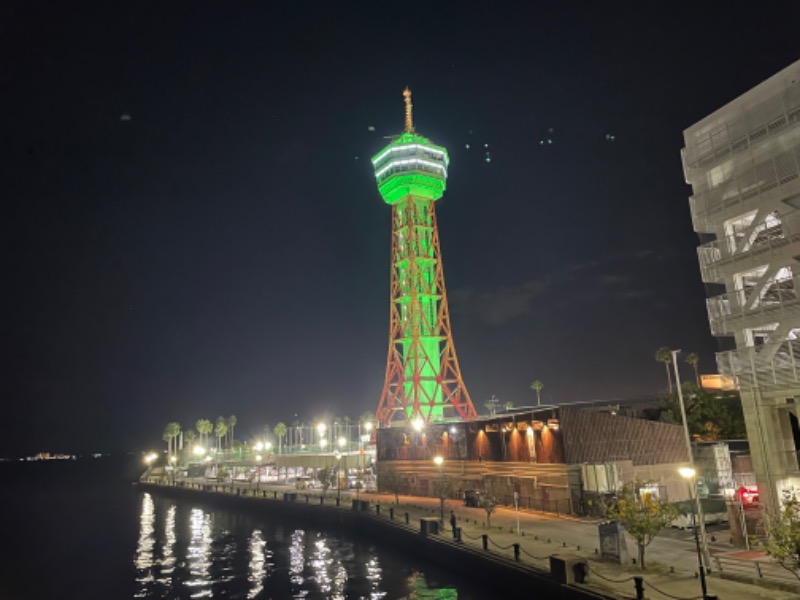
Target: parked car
(472, 498)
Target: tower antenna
(409, 106)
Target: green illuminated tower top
(423, 380)
(411, 165)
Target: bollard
(378, 509)
(338, 501)
(265, 493)
(276, 495)
(306, 498)
(485, 538)
(457, 534)
(516, 552)
(321, 500)
(391, 513)
(638, 584)
(407, 518)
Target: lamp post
(439, 461)
(698, 505)
(173, 459)
(338, 479)
(688, 473)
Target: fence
(758, 572)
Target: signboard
(612, 542)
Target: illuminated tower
(423, 379)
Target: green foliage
(783, 534)
(204, 428)
(389, 479)
(709, 417)
(220, 429)
(642, 515)
(280, 431)
(326, 476)
(664, 355)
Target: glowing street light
(439, 461)
(688, 473)
(199, 451)
(368, 426)
(150, 458)
(321, 429)
(342, 442)
(418, 424)
(258, 447)
(323, 443)
(268, 446)
(259, 458)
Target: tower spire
(409, 106)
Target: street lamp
(173, 459)
(698, 505)
(338, 479)
(342, 442)
(688, 473)
(439, 461)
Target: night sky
(191, 226)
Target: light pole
(688, 473)
(439, 461)
(338, 478)
(698, 505)
(173, 459)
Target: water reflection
(184, 551)
(167, 562)
(198, 554)
(257, 569)
(144, 549)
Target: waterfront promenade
(671, 559)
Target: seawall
(513, 579)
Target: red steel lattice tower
(423, 379)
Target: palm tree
(280, 431)
(267, 431)
(220, 430)
(171, 432)
(491, 405)
(537, 386)
(204, 428)
(508, 405)
(231, 424)
(694, 360)
(190, 437)
(664, 355)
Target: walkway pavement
(671, 559)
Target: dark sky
(225, 250)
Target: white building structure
(743, 163)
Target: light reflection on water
(184, 551)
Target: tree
(326, 475)
(171, 432)
(488, 503)
(694, 360)
(220, 430)
(708, 417)
(783, 534)
(537, 386)
(204, 428)
(280, 431)
(664, 355)
(190, 436)
(231, 423)
(508, 405)
(643, 515)
(442, 488)
(389, 479)
(267, 431)
(491, 405)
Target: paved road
(671, 558)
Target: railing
(755, 125)
(771, 366)
(756, 571)
(758, 179)
(726, 310)
(714, 255)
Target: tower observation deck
(423, 379)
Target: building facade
(557, 459)
(743, 163)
